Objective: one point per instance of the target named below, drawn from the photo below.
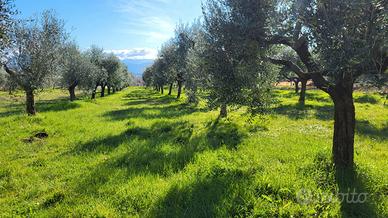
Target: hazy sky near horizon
(133, 29)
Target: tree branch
(301, 47)
(291, 66)
(14, 75)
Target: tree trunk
(109, 90)
(114, 90)
(30, 102)
(296, 82)
(72, 93)
(224, 111)
(102, 90)
(302, 96)
(344, 127)
(94, 92)
(179, 89)
(170, 89)
(162, 89)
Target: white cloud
(135, 53)
(146, 18)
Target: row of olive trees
(221, 63)
(232, 55)
(92, 69)
(171, 65)
(37, 54)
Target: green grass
(138, 153)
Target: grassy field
(138, 153)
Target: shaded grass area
(139, 153)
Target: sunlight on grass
(138, 153)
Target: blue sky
(133, 29)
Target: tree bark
(179, 89)
(109, 90)
(302, 96)
(72, 93)
(344, 126)
(102, 90)
(162, 89)
(224, 111)
(170, 89)
(30, 102)
(94, 92)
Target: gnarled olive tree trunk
(302, 95)
(102, 90)
(170, 89)
(30, 102)
(344, 112)
(94, 92)
(224, 111)
(72, 91)
(179, 88)
(344, 126)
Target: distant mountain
(137, 67)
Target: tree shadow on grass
(310, 96)
(223, 133)
(154, 112)
(348, 181)
(363, 204)
(11, 112)
(163, 149)
(146, 154)
(151, 100)
(141, 94)
(178, 132)
(366, 99)
(148, 104)
(56, 105)
(365, 128)
(298, 112)
(206, 195)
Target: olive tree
(184, 43)
(168, 54)
(76, 69)
(337, 42)
(125, 78)
(34, 53)
(6, 22)
(148, 77)
(111, 64)
(196, 71)
(349, 38)
(234, 55)
(122, 78)
(100, 76)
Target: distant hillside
(137, 67)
